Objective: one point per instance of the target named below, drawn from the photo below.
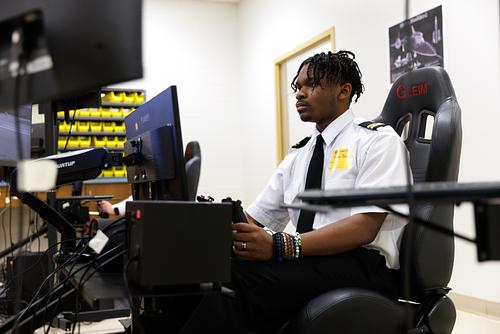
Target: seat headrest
(422, 89)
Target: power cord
(71, 124)
(33, 299)
(86, 267)
(42, 257)
(60, 285)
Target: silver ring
(243, 245)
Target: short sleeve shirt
(355, 157)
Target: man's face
(319, 104)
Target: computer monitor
(9, 151)
(68, 47)
(154, 152)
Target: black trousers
(269, 293)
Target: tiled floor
(468, 323)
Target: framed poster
(416, 42)
(289, 128)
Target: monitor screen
(154, 133)
(8, 135)
(67, 47)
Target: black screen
(8, 135)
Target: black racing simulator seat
(414, 99)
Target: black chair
(192, 156)
(414, 100)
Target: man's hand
(252, 242)
(105, 207)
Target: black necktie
(313, 181)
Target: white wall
(193, 45)
(269, 29)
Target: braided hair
(336, 68)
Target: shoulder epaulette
(301, 143)
(372, 125)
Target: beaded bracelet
(289, 254)
(286, 246)
(298, 244)
(278, 247)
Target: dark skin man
(321, 104)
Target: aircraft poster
(416, 42)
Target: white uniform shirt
(355, 157)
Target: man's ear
(345, 92)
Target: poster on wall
(416, 42)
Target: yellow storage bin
(83, 113)
(115, 112)
(82, 126)
(73, 142)
(112, 97)
(61, 141)
(120, 127)
(63, 126)
(94, 112)
(108, 126)
(138, 97)
(96, 126)
(111, 141)
(126, 112)
(84, 141)
(60, 114)
(107, 172)
(119, 171)
(99, 141)
(127, 97)
(120, 141)
(105, 112)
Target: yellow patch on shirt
(341, 159)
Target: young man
(347, 247)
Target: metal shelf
(94, 118)
(101, 180)
(83, 148)
(121, 104)
(126, 90)
(92, 133)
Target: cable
(71, 124)
(33, 299)
(42, 257)
(86, 267)
(135, 312)
(70, 274)
(84, 280)
(75, 256)
(431, 225)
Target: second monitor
(156, 166)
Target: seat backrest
(192, 156)
(419, 101)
